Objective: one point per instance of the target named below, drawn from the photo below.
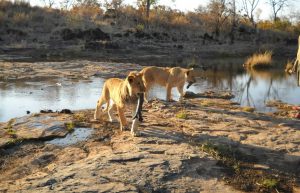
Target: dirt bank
(77, 69)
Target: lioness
(169, 78)
(122, 93)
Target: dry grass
(248, 109)
(259, 61)
(20, 18)
(289, 67)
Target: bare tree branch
(277, 5)
(49, 3)
(249, 7)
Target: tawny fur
(297, 61)
(167, 77)
(122, 93)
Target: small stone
(49, 182)
(261, 166)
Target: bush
(20, 18)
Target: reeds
(259, 61)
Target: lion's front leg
(135, 122)
(180, 90)
(98, 110)
(169, 93)
(123, 121)
(134, 128)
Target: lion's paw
(124, 128)
(136, 134)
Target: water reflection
(252, 88)
(19, 97)
(79, 134)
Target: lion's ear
(130, 79)
(187, 72)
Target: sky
(191, 5)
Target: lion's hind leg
(148, 87)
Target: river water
(250, 89)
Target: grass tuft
(70, 126)
(139, 27)
(182, 115)
(289, 67)
(248, 109)
(270, 183)
(11, 132)
(259, 61)
(80, 117)
(9, 125)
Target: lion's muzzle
(189, 84)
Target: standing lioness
(169, 78)
(122, 93)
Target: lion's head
(190, 77)
(135, 83)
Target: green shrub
(140, 27)
(70, 126)
(182, 115)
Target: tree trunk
(233, 23)
(148, 8)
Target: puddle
(78, 135)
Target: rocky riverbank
(208, 145)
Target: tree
(113, 4)
(249, 7)
(49, 3)
(66, 4)
(86, 9)
(88, 3)
(233, 20)
(219, 12)
(277, 5)
(145, 5)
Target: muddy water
(79, 134)
(250, 88)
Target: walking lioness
(169, 78)
(122, 93)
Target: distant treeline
(220, 20)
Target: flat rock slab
(38, 126)
(126, 157)
(209, 94)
